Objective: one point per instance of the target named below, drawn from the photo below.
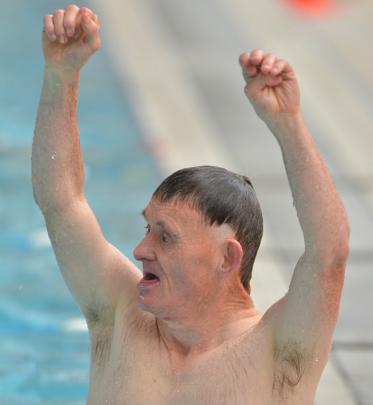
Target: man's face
(184, 254)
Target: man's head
(222, 197)
(218, 204)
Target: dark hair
(222, 197)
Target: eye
(147, 227)
(165, 237)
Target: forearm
(57, 164)
(320, 210)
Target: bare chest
(136, 371)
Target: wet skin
(189, 333)
(186, 339)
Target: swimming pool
(44, 347)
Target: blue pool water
(44, 350)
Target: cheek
(206, 259)
(199, 274)
(193, 270)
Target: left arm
(308, 313)
(305, 318)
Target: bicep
(304, 320)
(94, 270)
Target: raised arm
(96, 272)
(304, 320)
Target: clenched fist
(70, 37)
(271, 85)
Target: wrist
(286, 124)
(61, 75)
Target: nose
(144, 251)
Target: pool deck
(178, 62)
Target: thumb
(90, 29)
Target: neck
(199, 330)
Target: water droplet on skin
(53, 156)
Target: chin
(146, 305)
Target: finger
(49, 27)
(90, 13)
(90, 28)
(256, 57)
(69, 20)
(244, 59)
(58, 25)
(278, 67)
(267, 63)
(78, 25)
(248, 70)
(249, 73)
(78, 20)
(85, 11)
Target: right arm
(96, 272)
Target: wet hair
(222, 197)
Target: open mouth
(148, 281)
(148, 276)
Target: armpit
(290, 361)
(100, 324)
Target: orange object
(312, 7)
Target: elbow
(35, 196)
(51, 204)
(40, 201)
(332, 252)
(343, 248)
(340, 258)
(337, 257)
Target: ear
(232, 257)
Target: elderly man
(186, 331)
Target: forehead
(178, 212)
(185, 221)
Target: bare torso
(130, 366)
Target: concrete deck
(178, 61)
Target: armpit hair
(100, 349)
(289, 366)
(98, 315)
(100, 324)
(92, 316)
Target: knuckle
(87, 10)
(68, 24)
(48, 23)
(72, 7)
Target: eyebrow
(162, 224)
